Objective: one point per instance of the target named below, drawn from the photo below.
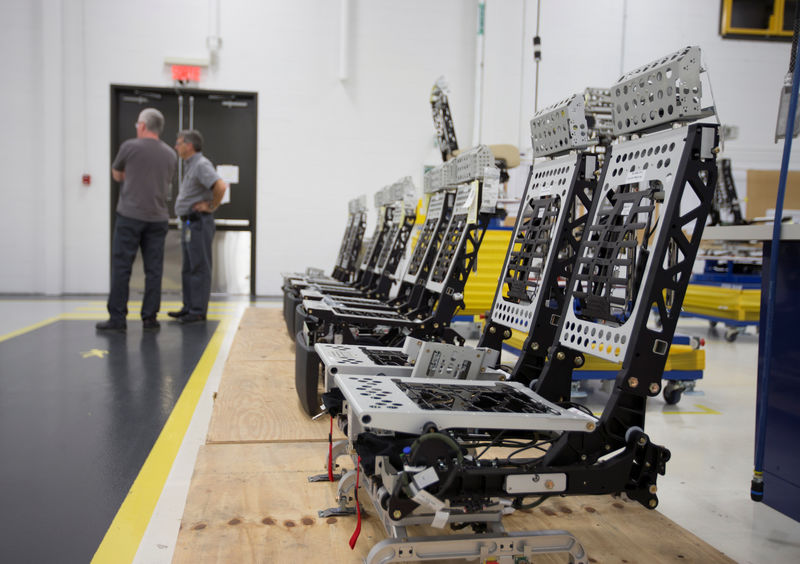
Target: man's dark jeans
(197, 234)
(129, 236)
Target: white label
(626, 208)
(229, 173)
(635, 176)
(470, 197)
(425, 478)
(440, 519)
(424, 498)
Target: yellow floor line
(32, 327)
(123, 537)
(704, 410)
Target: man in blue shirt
(200, 193)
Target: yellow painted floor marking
(703, 410)
(29, 328)
(98, 353)
(123, 537)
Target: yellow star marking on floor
(94, 352)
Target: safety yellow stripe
(123, 537)
(32, 327)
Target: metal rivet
(549, 484)
(561, 356)
(653, 489)
(590, 426)
(492, 330)
(652, 503)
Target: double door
(228, 123)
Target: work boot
(111, 325)
(191, 318)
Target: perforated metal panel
(635, 169)
(434, 180)
(541, 216)
(471, 164)
(432, 219)
(453, 237)
(560, 127)
(663, 91)
(407, 405)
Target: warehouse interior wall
(331, 125)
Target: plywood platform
(250, 500)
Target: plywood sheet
(262, 318)
(257, 402)
(253, 343)
(252, 503)
(762, 191)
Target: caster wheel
(672, 395)
(730, 334)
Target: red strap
(330, 452)
(357, 532)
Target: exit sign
(186, 72)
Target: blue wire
(766, 354)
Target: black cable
(533, 504)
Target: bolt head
(652, 503)
(561, 356)
(549, 484)
(534, 346)
(633, 382)
(590, 426)
(653, 489)
(397, 514)
(578, 361)
(655, 387)
(492, 330)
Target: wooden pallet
(250, 500)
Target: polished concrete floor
(710, 434)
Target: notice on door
(230, 174)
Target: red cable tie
(330, 452)
(357, 532)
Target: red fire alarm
(186, 72)
(86, 179)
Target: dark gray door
(228, 122)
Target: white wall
(322, 141)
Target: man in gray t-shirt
(200, 193)
(145, 167)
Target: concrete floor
(710, 434)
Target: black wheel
(672, 395)
(731, 333)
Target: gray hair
(153, 120)
(192, 136)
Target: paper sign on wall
(230, 174)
